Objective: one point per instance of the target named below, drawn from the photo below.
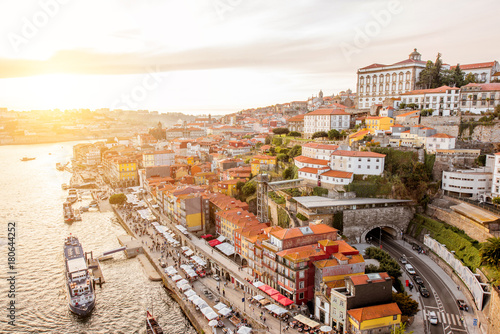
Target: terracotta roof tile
(374, 312)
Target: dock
(133, 246)
(95, 266)
(148, 268)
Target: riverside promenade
(223, 291)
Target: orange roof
(363, 279)
(474, 66)
(441, 89)
(337, 173)
(312, 170)
(300, 254)
(326, 111)
(297, 118)
(264, 157)
(486, 86)
(441, 135)
(307, 160)
(408, 113)
(296, 232)
(374, 312)
(321, 146)
(359, 133)
(360, 154)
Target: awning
(285, 301)
(306, 321)
(221, 238)
(182, 282)
(264, 287)
(226, 248)
(220, 306)
(214, 242)
(277, 296)
(225, 312)
(206, 236)
(190, 293)
(271, 292)
(176, 278)
(199, 260)
(258, 297)
(189, 253)
(264, 301)
(257, 284)
(244, 330)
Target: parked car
(424, 292)
(216, 277)
(462, 305)
(410, 269)
(403, 260)
(418, 280)
(433, 319)
(201, 273)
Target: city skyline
(217, 56)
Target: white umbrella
(225, 311)
(193, 297)
(190, 293)
(244, 330)
(220, 306)
(257, 297)
(325, 329)
(213, 323)
(185, 287)
(176, 278)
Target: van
(410, 269)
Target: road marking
(453, 319)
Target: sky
(220, 56)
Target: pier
(95, 266)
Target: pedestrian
(224, 292)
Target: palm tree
(490, 252)
(488, 102)
(470, 103)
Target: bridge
(285, 184)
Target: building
(374, 319)
(221, 202)
(263, 163)
(467, 183)
(495, 187)
(229, 187)
(479, 98)
(158, 158)
(358, 291)
(318, 150)
(358, 162)
(377, 82)
(325, 119)
(230, 220)
(439, 141)
(442, 100)
(378, 124)
(296, 123)
(358, 136)
(483, 72)
(194, 212)
(409, 118)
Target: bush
(319, 191)
(301, 217)
(294, 134)
(276, 198)
(117, 199)
(319, 134)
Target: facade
(439, 141)
(374, 319)
(409, 118)
(318, 150)
(229, 187)
(467, 183)
(444, 100)
(479, 98)
(495, 187)
(263, 163)
(377, 82)
(483, 72)
(357, 136)
(230, 220)
(378, 123)
(358, 162)
(325, 120)
(296, 123)
(158, 158)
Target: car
(216, 277)
(403, 260)
(424, 292)
(201, 273)
(433, 319)
(418, 280)
(462, 304)
(409, 268)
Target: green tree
(239, 185)
(294, 134)
(425, 76)
(295, 151)
(278, 141)
(282, 157)
(319, 134)
(401, 329)
(117, 199)
(496, 200)
(268, 140)
(490, 252)
(280, 131)
(470, 78)
(272, 150)
(458, 76)
(333, 134)
(288, 173)
(406, 304)
(249, 189)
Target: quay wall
(172, 292)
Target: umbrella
(213, 323)
(244, 330)
(225, 311)
(176, 278)
(185, 287)
(193, 297)
(257, 297)
(325, 329)
(189, 293)
(220, 306)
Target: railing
(482, 205)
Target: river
(31, 196)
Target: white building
(467, 183)
(303, 161)
(483, 72)
(335, 177)
(439, 141)
(377, 82)
(158, 158)
(93, 156)
(318, 150)
(442, 100)
(358, 162)
(495, 187)
(325, 120)
(478, 98)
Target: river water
(31, 195)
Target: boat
(64, 186)
(78, 216)
(81, 296)
(69, 215)
(72, 196)
(152, 326)
(27, 159)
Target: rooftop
(322, 202)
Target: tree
(294, 134)
(490, 252)
(496, 200)
(458, 76)
(288, 173)
(278, 141)
(282, 157)
(240, 185)
(401, 329)
(470, 78)
(268, 140)
(408, 306)
(117, 199)
(249, 189)
(333, 134)
(295, 151)
(319, 134)
(280, 131)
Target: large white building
(439, 141)
(467, 183)
(377, 82)
(442, 100)
(495, 187)
(358, 162)
(478, 98)
(325, 119)
(483, 72)
(318, 150)
(158, 158)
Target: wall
(470, 227)
(493, 318)
(449, 125)
(359, 221)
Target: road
(442, 300)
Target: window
(301, 285)
(301, 295)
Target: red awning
(265, 287)
(285, 301)
(277, 297)
(206, 236)
(271, 292)
(214, 242)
